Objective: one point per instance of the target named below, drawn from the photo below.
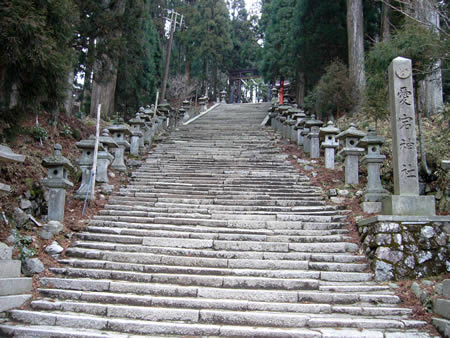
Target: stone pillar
(203, 101)
(223, 95)
(57, 183)
(282, 112)
(119, 132)
(7, 155)
(374, 192)
(351, 152)
(301, 120)
(313, 136)
(306, 140)
(104, 158)
(147, 129)
(137, 136)
(406, 199)
(275, 100)
(296, 115)
(329, 143)
(85, 162)
(182, 114)
(187, 108)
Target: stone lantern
(137, 136)
(313, 136)
(223, 95)
(295, 112)
(329, 143)
(351, 152)
(57, 183)
(374, 192)
(7, 155)
(164, 111)
(187, 108)
(282, 118)
(274, 96)
(203, 102)
(85, 162)
(182, 114)
(304, 134)
(146, 116)
(119, 132)
(299, 116)
(104, 158)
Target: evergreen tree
(208, 39)
(277, 20)
(244, 37)
(139, 63)
(36, 38)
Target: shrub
(334, 91)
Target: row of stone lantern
(307, 131)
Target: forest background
(58, 55)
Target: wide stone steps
(216, 234)
(216, 258)
(58, 324)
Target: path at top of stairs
(217, 234)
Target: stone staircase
(14, 290)
(216, 235)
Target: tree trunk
(385, 21)
(301, 85)
(430, 89)
(103, 90)
(355, 38)
(69, 94)
(105, 73)
(214, 80)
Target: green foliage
(39, 133)
(76, 134)
(23, 245)
(412, 41)
(139, 67)
(65, 130)
(277, 17)
(334, 93)
(36, 56)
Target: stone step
(243, 281)
(218, 258)
(9, 268)
(222, 304)
(12, 301)
(319, 238)
(250, 294)
(199, 322)
(15, 286)
(11, 330)
(272, 268)
(211, 276)
(198, 313)
(163, 228)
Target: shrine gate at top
(236, 78)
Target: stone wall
(401, 247)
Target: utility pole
(175, 19)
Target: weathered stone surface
(54, 248)
(383, 271)
(20, 217)
(32, 266)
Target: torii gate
(235, 79)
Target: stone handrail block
(201, 115)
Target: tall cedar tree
(36, 39)
(208, 40)
(139, 68)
